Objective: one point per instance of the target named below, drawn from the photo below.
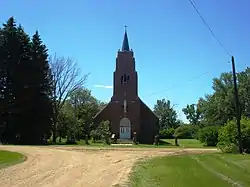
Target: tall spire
(125, 45)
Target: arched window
(125, 78)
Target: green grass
(8, 158)
(102, 145)
(186, 143)
(217, 170)
(166, 143)
(99, 144)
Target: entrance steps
(124, 141)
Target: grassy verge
(186, 143)
(165, 143)
(217, 170)
(8, 158)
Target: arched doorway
(125, 128)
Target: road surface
(77, 166)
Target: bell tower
(125, 80)
(127, 113)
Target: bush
(96, 135)
(167, 133)
(209, 135)
(227, 147)
(186, 131)
(228, 135)
(102, 131)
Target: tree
(77, 114)
(9, 56)
(219, 107)
(16, 60)
(104, 130)
(193, 114)
(24, 88)
(68, 125)
(2, 84)
(209, 135)
(42, 89)
(186, 131)
(228, 141)
(86, 107)
(102, 105)
(66, 79)
(244, 91)
(166, 114)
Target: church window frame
(125, 78)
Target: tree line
(212, 118)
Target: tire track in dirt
(77, 166)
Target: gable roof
(149, 108)
(98, 113)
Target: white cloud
(103, 86)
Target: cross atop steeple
(125, 45)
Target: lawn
(165, 143)
(217, 170)
(186, 143)
(8, 158)
(102, 145)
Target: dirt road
(76, 166)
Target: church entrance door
(125, 128)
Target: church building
(126, 112)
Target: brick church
(126, 112)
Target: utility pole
(237, 103)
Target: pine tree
(9, 55)
(25, 91)
(42, 88)
(2, 84)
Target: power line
(209, 28)
(215, 37)
(237, 103)
(174, 86)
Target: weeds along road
(77, 166)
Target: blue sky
(176, 56)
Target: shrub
(186, 131)
(209, 135)
(227, 147)
(104, 131)
(228, 135)
(167, 133)
(96, 135)
(246, 135)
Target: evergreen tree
(25, 86)
(22, 88)
(9, 55)
(42, 86)
(2, 84)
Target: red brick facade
(125, 106)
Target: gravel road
(77, 166)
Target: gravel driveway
(77, 166)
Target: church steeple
(125, 45)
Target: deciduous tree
(66, 79)
(166, 114)
(193, 114)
